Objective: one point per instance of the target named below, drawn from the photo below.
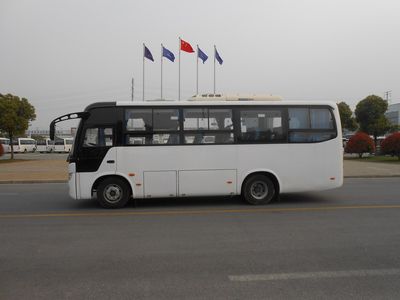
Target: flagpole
(214, 67)
(133, 87)
(143, 70)
(197, 70)
(161, 67)
(179, 75)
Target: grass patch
(379, 159)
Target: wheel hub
(259, 190)
(112, 193)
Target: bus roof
(237, 97)
(208, 103)
(222, 103)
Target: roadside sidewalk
(55, 170)
(354, 168)
(34, 171)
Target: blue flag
(148, 54)
(218, 58)
(168, 54)
(202, 55)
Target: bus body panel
(218, 170)
(207, 182)
(297, 171)
(136, 160)
(160, 184)
(72, 180)
(85, 180)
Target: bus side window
(195, 119)
(299, 118)
(139, 119)
(98, 137)
(263, 125)
(311, 125)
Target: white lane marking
(314, 275)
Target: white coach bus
(45, 146)
(63, 145)
(253, 148)
(24, 145)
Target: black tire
(258, 190)
(113, 192)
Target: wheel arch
(268, 173)
(103, 177)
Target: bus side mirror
(52, 130)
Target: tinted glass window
(261, 125)
(166, 119)
(220, 119)
(321, 118)
(310, 137)
(139, 119)
(299, 118)
(311, 125)
(209, 138)
(153, 139)
(98, 137)
(27, 142)
(195, 119)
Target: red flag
(185, 46)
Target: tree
(347, 120)
(15, 115)
(391, 144)
(360, 143)
(370, 115)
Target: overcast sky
(64, 55)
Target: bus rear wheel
(113, 193)
(259, 189)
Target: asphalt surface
(337, 244)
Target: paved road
(337, 244)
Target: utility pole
(133, 88)
(388, 96)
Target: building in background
(393, 113)
(46, 133)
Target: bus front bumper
(72, 180)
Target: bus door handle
(110, 161)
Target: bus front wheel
(113, 193)
(259, 189)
